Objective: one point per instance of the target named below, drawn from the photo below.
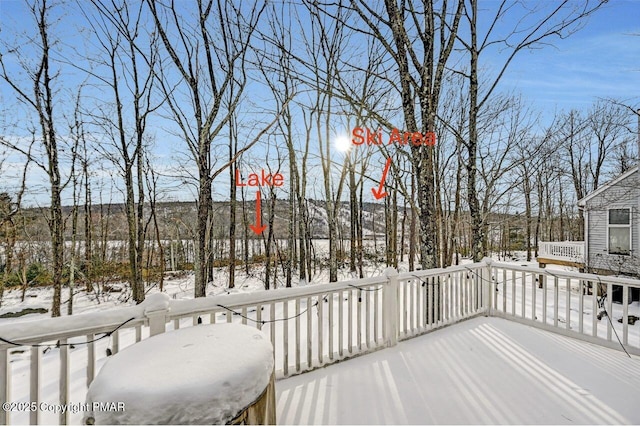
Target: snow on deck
(484, 370)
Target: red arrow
(379, 193)
(258, 228)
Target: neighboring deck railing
(310, 326)
(571, 251)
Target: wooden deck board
(546, 261)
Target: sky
(602, 60)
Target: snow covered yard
(480, 371)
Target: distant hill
(176, 219)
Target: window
(619, 231)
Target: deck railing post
(390, 307)
(5, 384)
(156, 312)
(487, 286)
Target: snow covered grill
(210, 374)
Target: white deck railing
(570, 303)
(309, 326)
(572, 251)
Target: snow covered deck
(445, 361)
(483, 370)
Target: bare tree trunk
(88, 221)
(478, 237)
(412, 227)
(559, 21)
(72, 262)
(245, 225)
(361, 228)
(233, 148)
(77, 132)
(269, 241)
(420, 74)
(394, 227)
(402, 229)
(9, 210)
(119, 36)
(549, 206)
(388, 231)
(141, 235)
(304, 223)
(42, 101)
(354, 214)
(540, 204)
(213, 77)
(152, 189)
(527, 211)
(561, 210)
(456, 214)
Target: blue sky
(602, 60)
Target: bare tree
(204, 86)
(530, 154)
(328, 40)
(625, 157)
(9, 209)
(607, 124)
(129, 56)
(85, 160)
(419, 39)
(233, 150)
(570, 133)
(276, 65)
(151, 178)
(76, 131)
(37, 93)
(534, 27)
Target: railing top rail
(36, 331)
(563, 243)
(31, 332)
(208, 304)
(440, 271)
(568, 274)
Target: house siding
(622, 194)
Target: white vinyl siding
(606, 240)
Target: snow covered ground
(176, 285)
(481, 371)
